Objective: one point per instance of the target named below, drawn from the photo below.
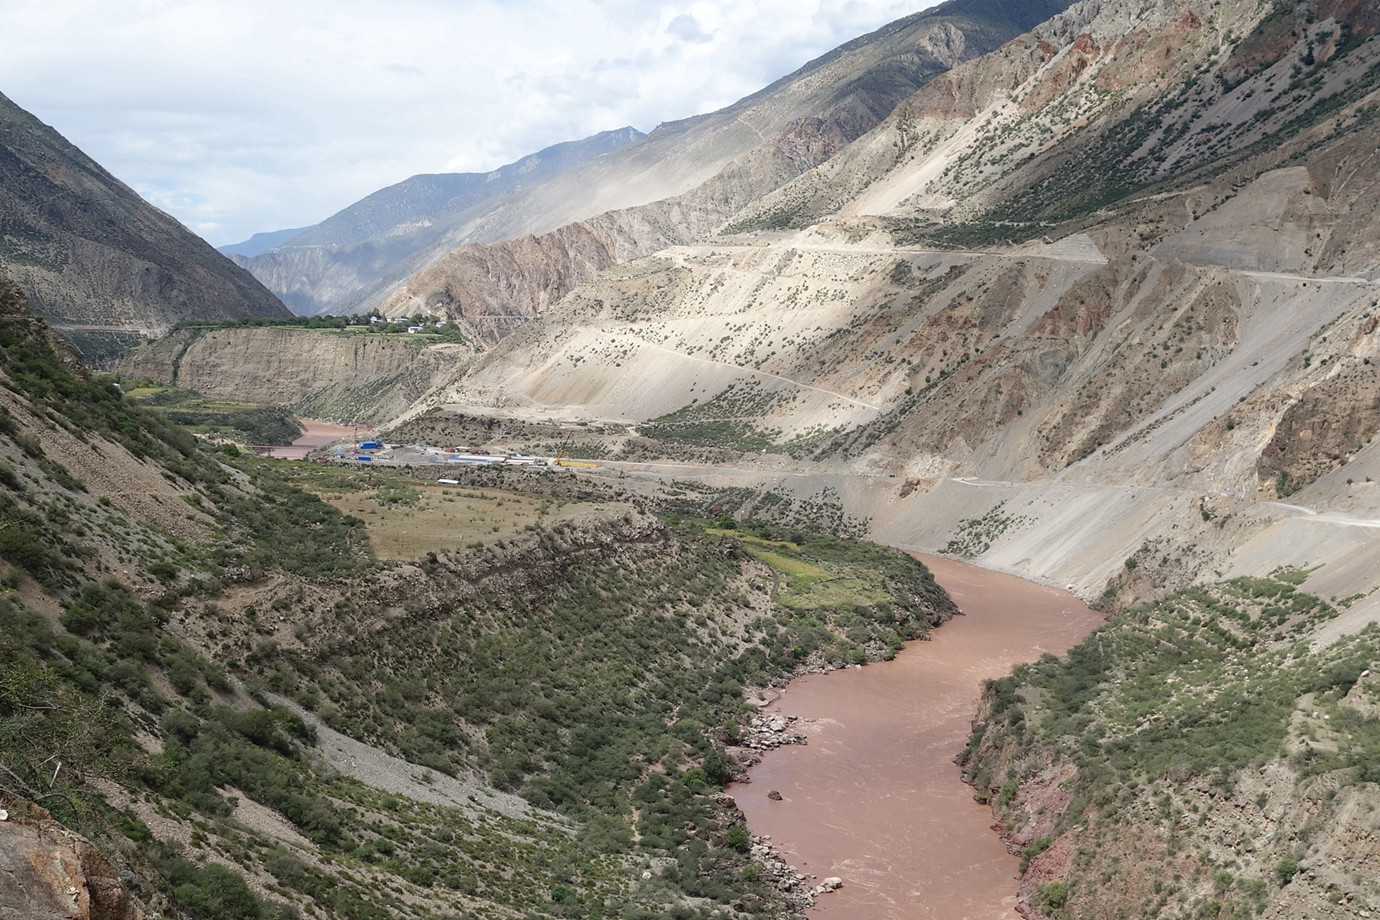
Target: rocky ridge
(349, 258)
(681, 181)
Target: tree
(50, 735)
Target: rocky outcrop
(493, 289)
(767, 732)
(51, 873)
(1329, 425)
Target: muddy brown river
(875, 797)
(314, 434)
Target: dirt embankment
(1233, 843)
(324, 375)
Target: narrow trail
(1048, 252)
(1315, 279)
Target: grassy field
(406, 520)
(782, 555)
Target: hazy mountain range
(338, 264)
(692, 174)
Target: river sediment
(314, 434)
(874, 798)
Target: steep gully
(875, 797)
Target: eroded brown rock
(51, 872)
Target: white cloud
(687, 28)
(254, 115)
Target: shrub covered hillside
(1192, 758)
(192, 650)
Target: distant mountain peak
(260, 242)
(313, 270)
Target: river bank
(314, 434)
(874, 797)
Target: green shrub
(212, 892)
(1051, 898)
(737, 839)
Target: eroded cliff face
(341, 377)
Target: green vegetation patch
(783, 556)
(98, 347)
(603, 683)
(975, 536)
(211, 417)
(594, 691)
(822, 512)
(1203, 681)
(728, 420)
(427, 332)
(73, 698)
(59, 390)
(1172, 700)
(796, 568)
(841, 599)
(278, 527)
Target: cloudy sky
(238, 116)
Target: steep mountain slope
(97, 262)
(1163, 340)
(207, 672)
(351, 257)
(1098, 308)
(680, 181)
(860, 81)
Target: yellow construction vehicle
(564, 459)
